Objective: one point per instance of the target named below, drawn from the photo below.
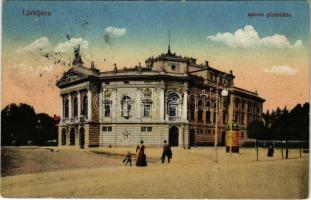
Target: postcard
(155, 99)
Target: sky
(267, 54)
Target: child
(128, 158)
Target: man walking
(167, 152)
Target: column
(79, 105)
(89, 104)
(185, 103)
(161, 104)
(61, 108)
(100, 105)
(69, 107)
(114, 104)
(138, 103)
(231, 104)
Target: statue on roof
(77, 60)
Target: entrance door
(192, 137)
(82, 138)
(72, 136)
(173, 136)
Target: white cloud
(248, 37)
(42, 44)
(117, 32)
(22, 67)
(68, 46)
(281, 70)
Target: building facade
(169, 98)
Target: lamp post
(224, 93)
(82, 136)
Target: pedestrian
(167, 152)
(141, 158)
(270, 151)
(128, 158)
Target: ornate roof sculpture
(77, 60)
(78, 72)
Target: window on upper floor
(237, 103)
(75, 106)
(224, 118)
(147, 109)
(208, 116)
(172, 104)
(107, 105)
(192, 107)
(66, 108)
(147, 93)
(126, 105)
(200, 111)
(84, 106)
(173, 67)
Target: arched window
(66, 108)
(192, 107)
(172, 105)
(200, 111)
(126, 106)
(75, 107)
(84, 106)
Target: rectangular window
(208, 116)
(224, 117)
(214, 118)
(236, 103)
(126, 82)
(107, 83)
(146, 129)
(200, 112)
(107, 129)
(192, 114)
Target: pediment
(71, 76)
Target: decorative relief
(126, 134)
(70, 77)
(147, 93)
(107, 94)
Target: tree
(257, 130)
(18, 124)
(46, 129)
(22, 126)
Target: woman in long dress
(141, 158)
